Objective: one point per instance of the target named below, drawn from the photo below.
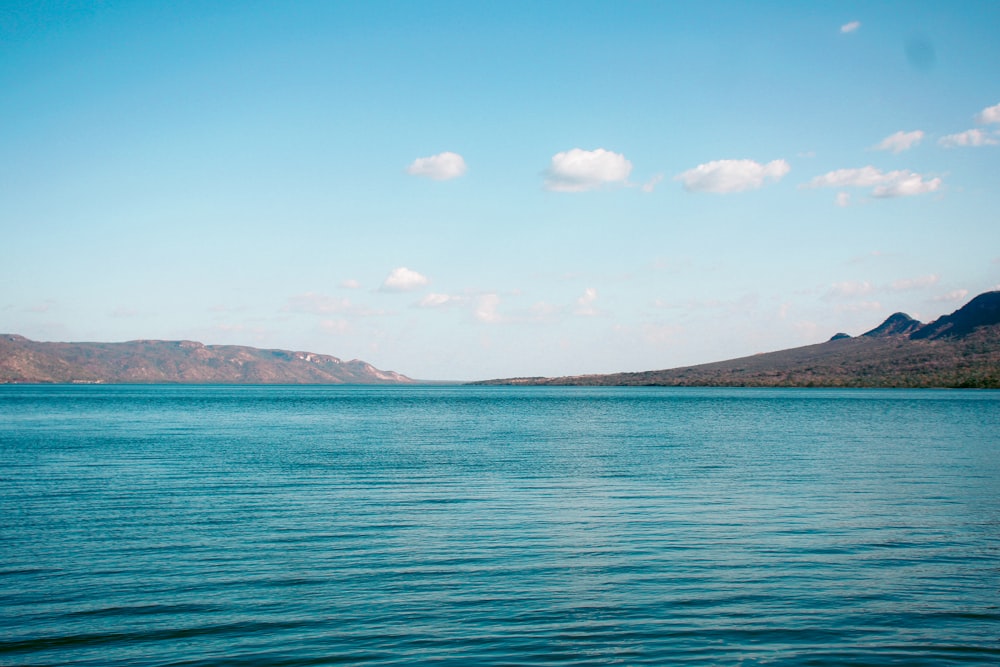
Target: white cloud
(849, 289)
(334, 326)
(900, 183)
(900, 141)
(434, 300)
(403, 279)
(350, 284)
(850, 27)
(989, 114)
(906, 184)
(321, 304)
(954, 295)
(723, 176)
(915, 283)
(441, 167)
(656, 333)
(486, 308)
(860, 307)
(651, 184)
(967, 138)
(578, 170)
(585, 304)
(311, 302)
(843, 199)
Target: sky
(470, 190)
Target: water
(498, 526)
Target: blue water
(498, 526)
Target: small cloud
(441, 167)
(651, 184)
(900, 141)
(725, 176)
(969, 138)
(321, 304)
(954, 295)
(850, 27)
(350, 284)
(403, 279)
(906, 185)
(849, 289)
(656, 333)
(486, 308)
(843, 199)
(861, 306)
(42, 307)
(434, 300)
(900, 183)
(989, 115)
(318, 304)
(578, 170)
(334, 326)
(915, 283)
(585, 304)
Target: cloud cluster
(725, 176)
(441, 167)
(579, 170)
(969, 138)
(900, 141)
(975, 137)
(856, 289)
(403, 279)
(954, 295)
(899, 183)
(922, 282)
(849, 289)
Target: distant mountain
(159, 361)
(958, 350)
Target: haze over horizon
(458, 191)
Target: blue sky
(471, 190)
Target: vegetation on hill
(958, 350)
(157, 361)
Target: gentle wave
(391, 526)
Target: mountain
(160, 361)
(957, 350)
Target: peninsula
(164, 362)
(957, 350)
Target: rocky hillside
(958, 350)
(158, 361)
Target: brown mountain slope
(958, 350)
(155, 361)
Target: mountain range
(160, 361)
(957, 350)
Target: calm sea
(180, 525)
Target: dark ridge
(982, 311)
(839, 336)
(897, 324)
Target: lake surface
(179, 525)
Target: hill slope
(957, 350)
(157, 361)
